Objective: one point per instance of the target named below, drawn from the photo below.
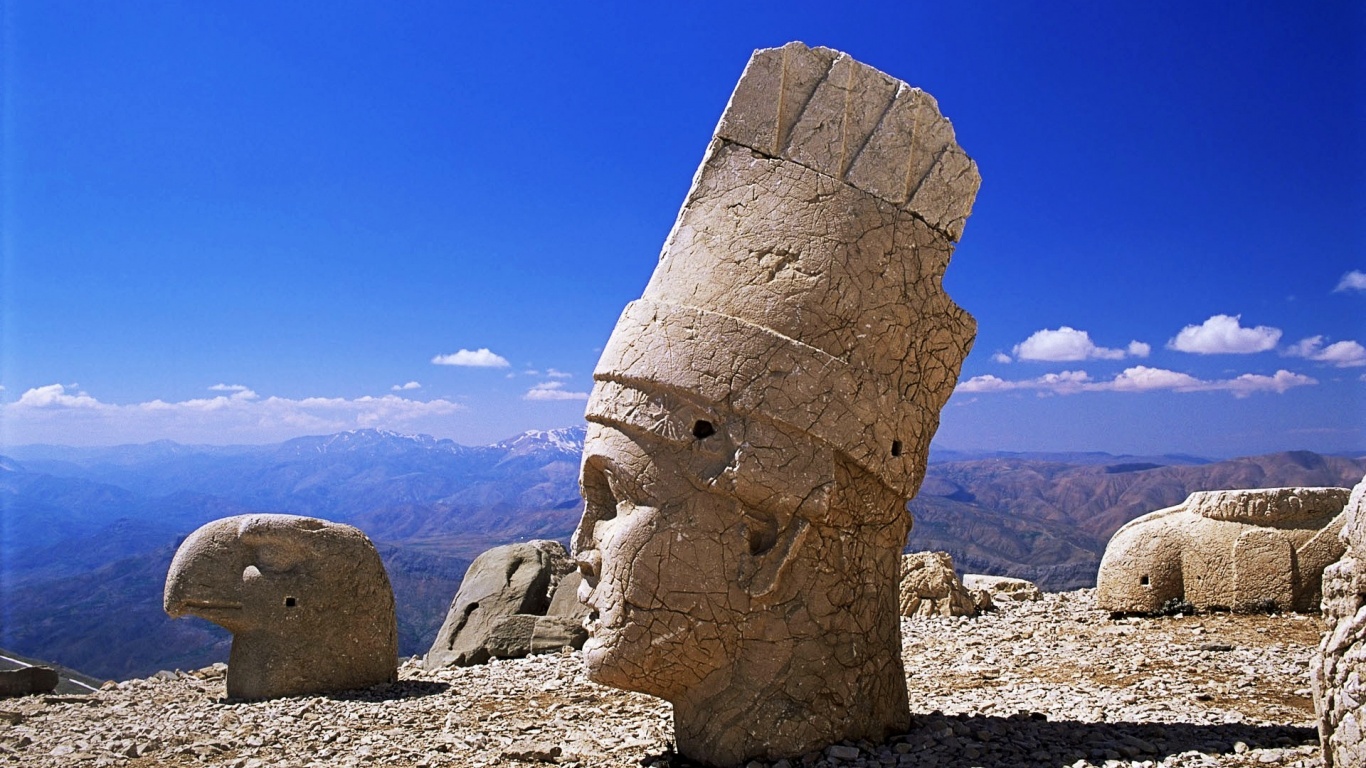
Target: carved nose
(590, 564)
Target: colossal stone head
(308, 603)
(1238, 550)
(761, 414)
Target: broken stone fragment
(28, 681)
(564, 602)
(930, 587)
(495, 610)
(1253, 550)
(308, 602)
(761, 414)
(1003, 588)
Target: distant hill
(87, 534)
(1048, 521)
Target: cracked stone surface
(761, 414)
(1340, 664)
(1253, 550)
(307, 601)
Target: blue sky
(245, 222)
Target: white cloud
(55, 414)
(479, 358)
(986, 383)
(238, 391)
(405, 387)
(1069, 344)
(1140, 378)
(1352, 281)
(1139, 349)
(1001, 357)
(54, 396)
(1343, 354)
(552, 390)
(1251, 382)
(554, 374)
(1224, 335)
(1066, 382)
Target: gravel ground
(1051, 683)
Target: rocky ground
(1052, 683)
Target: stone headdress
(801, 282)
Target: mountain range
(87, 534)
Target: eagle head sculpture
(308, 602)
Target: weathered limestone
(1251, 550)
(1003, 588)
(929, 587)
(28, 681)
(501, 606)
(761, 414)
(1338, 671)
(308, 602)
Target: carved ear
(771, 551)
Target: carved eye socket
(703, 429)
(896, 447)
(276, 559)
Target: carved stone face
(649, 545)
(683, 538)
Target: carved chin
(601, 659)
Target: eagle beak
(205, 576)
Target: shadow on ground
(403, 689)
(1029, 740)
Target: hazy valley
(86, 535)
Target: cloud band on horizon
(54, 413)
(1141, 378)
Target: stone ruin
(1338, 670)
(308, 603)
(1254, 550)
(1003, 589)
(930, 587)
(515, 600)
(762, 413)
